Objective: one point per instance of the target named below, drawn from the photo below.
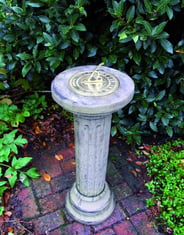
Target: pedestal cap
(114, 90)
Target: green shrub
(166, 168)
(39, 36)
(12, 167)
(143, 38)
(149, 53)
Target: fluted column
(92, 145)
(90, 201)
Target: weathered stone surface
(92, 145)
(92, 94)
(76, 103)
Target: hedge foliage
(38, 39)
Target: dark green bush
(143, 38)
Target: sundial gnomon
(93, 83)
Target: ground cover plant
(12, 167)
(38, 39)
(166, 169)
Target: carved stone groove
(92, 145)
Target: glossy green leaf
(130, 14)
(47, 37)
(160, 95)
(27, 67)
(11, 175)
(17, 10)
(122, 35)
(65, 45)
(92, 52)
(2, 183)
(159, 28)
(137, 58)
(169, 130)
(76, 53)
(80, 27)
(24, 179)
(24, 56)
(170, 13)
(162, 5)
(165, 120)
(135, 38)
(146, 24)
(38, 67)
(20, 162)
(33, 173)
(44, 19)
(33, 4)
(113, 131)
(153, 126)
(9, 37)
(166, 45)
(148, 6)
(75, 36)
(118, 8)
(2, 189)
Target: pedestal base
(90, 210)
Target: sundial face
(93, 83)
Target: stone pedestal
(92, 94)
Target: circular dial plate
(93, 83)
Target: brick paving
(43, 203)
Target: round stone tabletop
(92, 89)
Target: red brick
(41, 187)
(51, 165)
(52, 202)
(48, 223)
(121, 191)
(108, 231)
(56, 232)
(143, 225)
(69, 166)
(29, 206)
(1, 221)
(134, 203)
(62, 183)
(125, 228)
(67, 153)
(76, 228)
(116, 216)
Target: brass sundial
(93, 83)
